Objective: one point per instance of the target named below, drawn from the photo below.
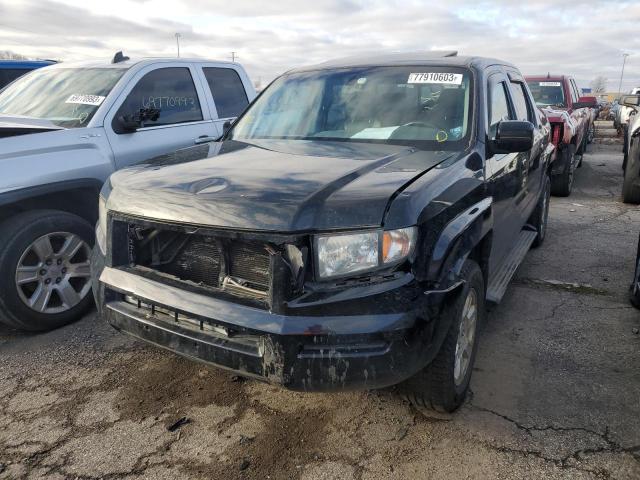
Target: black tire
(16, 236)
(631, 182)
(634, 290)
(540, 215)
(562, 184)
(591, 133)
(434, 387)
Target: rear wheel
(541, 214)
(562, 184)
(44, 269)
(443, 384)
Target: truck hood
(284, 186)
(13, 125)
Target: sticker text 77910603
(435, 77)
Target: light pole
(178, 43)
(624, 60)
(233, 56)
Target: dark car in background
(345, 233)
(631, 161)
(12, 69)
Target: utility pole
(624, 60)
(234, 56)
(178, 35)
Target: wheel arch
(79, 197)
(469, 235)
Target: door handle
(204, 139)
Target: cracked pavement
(555, 391)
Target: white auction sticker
(550, 84)
(85, 99)
(432, 77)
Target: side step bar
(499, 280)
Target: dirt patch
(167, 385)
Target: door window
(171, 91)
(523, 108)
(498, 107)
(227, 90)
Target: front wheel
(44, 269)
(562, 184)
(443, 384)
(631, 182)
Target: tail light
(556, 133)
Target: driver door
(176, 91)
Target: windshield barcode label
(85, 99)
(550, 84)
(450, 78)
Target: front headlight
(344, 254)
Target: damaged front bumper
(318, 350)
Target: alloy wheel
(53, 273)
(466, 337)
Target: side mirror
(630, 100)
(513, 136)
(225, 127)
(131, 123)
(586, 102)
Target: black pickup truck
(346, 231)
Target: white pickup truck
(63, 130)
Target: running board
(499, 281)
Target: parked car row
(345, 231)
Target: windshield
(548, 93)
(423, 106)
(68, 97)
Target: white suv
(63, 130)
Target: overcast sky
(582, 38)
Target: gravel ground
(555, 391)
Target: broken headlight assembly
(101, 227)
(353, 253)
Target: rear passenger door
(228, 91)
(184, 115)
(504, 173)
(531, 161)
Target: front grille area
(198, 260)
(239, 268)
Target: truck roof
(404, 59)
(108, 63)
(25, 63)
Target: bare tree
(599, 84)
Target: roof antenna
(119, 57)
(548, 74)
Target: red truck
(571, 118)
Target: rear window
(548, 93)
(227, 91)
